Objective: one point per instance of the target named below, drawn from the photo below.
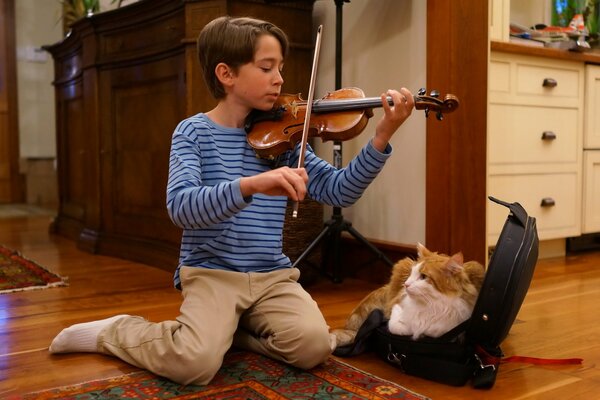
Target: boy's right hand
(284, 181)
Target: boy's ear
(224, 74)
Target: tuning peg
(426, 112)
(435, 93)
(422, 91)
(439, 116)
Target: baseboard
(587, 242)
(41, 184)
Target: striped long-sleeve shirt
(221, 228)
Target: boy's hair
(232, 41)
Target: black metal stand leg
(311, 247)
(373, 249)
(333, 232)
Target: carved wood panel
(144, 104)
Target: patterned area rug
(243, 375)
(18, 273)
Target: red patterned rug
(18, 273)
(243, 375)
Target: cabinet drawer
(519, 79)
(524, 134)
(537, 80)
(553, 221)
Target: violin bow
(309, 101)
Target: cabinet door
(591, 191)
(144, 102)
(592, 105)
(77, 155)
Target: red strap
(489, 359)
(542, 361)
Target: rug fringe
(64, 283)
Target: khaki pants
(268, 313)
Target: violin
(340, 115)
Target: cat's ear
(422, 251)
(455, 263)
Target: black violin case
(471, 351)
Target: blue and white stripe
(224, 230)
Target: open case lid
(507, 278)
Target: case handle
(515, 208)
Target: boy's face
(257, 84)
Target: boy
(237, 286)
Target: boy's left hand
(393, 116)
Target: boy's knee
(313, 349)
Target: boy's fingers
(409, 99)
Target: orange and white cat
(424, 297)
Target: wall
(384, 46)
(38, 23)
(531, 12)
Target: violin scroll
(433, 103)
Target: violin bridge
(294, 109)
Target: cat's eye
(423, 277)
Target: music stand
(337, 224)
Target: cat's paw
(343, 337)
(398, 328)
(332, 342)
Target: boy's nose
(279, 78)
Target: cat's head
(436, 275)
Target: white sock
(81, 337)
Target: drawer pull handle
(547, 202)
(548, 135)
(549, 83)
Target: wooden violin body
(339, 116)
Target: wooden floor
(559, 318)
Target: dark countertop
(590, 57)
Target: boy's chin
(265, 108)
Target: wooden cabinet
(535, 130)
(565, 169)
(591, 152)
(123, 80)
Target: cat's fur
(424, 297)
